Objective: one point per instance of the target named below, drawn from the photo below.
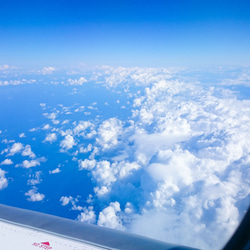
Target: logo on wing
(42, 245)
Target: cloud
(70, 200)
(65, 200)
(76, 82)
(242, 79)
(28, 152)
(68, 142)
(46, 127)
(36, 178)
(15, 82)
(21, 135)
(108, 133)
(180, 165)
(82, 126)
(87, 216)
(51, 138)
(34, 196)
(4, 67)
(43, 105)
(16, 148)
(48, 70)
(55, 171)
(87, 149)
(7, 162)
(109, 217)
(31, 163)
(3, 180)
(53, 117)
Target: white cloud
(31, 163)
(86, 164)
(109, 217)
(16, 148)
(70, 200)
(181, 166)
(20, 148)
(82, 126)
(36, 178)
(242, 79)
(3, 180)
(4, 67)
(65, 122)
(51, 138)
(87, 149)
(65, 200)
(55, 171)
(48, 70)
(68, 142)
(21, 135)
(87, 216)
(79, 81)
(28, 152)
(108, 133)
(33, 195)
(46, 127)
(7, 162)
(52, 116)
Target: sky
(125, 33)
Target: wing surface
(28, 230)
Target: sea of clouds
(176, 169)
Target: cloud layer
(163, 150)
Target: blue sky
(127, 33)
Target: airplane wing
(22, 229)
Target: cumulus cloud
(79, 81)
(82, 126)
(20, 148)
(55, 171)
(52, 116)
(48, 70)
(179, 165)
(109, 216)
(4, 67)
(31, 163)
(65, 200)
(46, 127)
(16, 148)
(68, 142)
(87, 216)
(6, 162)
(28, 152)
(34, 196)
(86, 150)
(21, 135)
(3, 180)
(70, 200)
(50, 138)
(35, 179)
(108, 133)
